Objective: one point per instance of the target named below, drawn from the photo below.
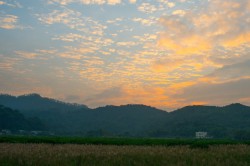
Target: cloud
(146, 22)
(86, 45)
(132, 1)
(92, 49)
(62, 2)
(28, 55)
(219, 25)
(179, 12)
(73, 20)
(238, 40)
(115, 21)
(8, 63)
(171, 4)
(114, 2)
(65, 16)
(217, 94)
(190, 66)
(108, 94)
(89, 2)
(180, 42)
(8, 21)
(146, 37)
(124, 95)
(17, 83)
(167, 65)
(37, 54)
(13, 4)
(229, 73)
(226, 85)
(167, 3)
(127, 44)
(147, 8)
(196, 42)
(47, 52)
(76, 52)
(71, 37)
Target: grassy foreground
(72, 154)
(24, 150)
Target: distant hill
(231, 121)
(13, 120)
(127, 120)
(36, 102)
(74, 119)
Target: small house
(201, 135)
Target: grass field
(121, 151)
(119, 141)
(71, 154)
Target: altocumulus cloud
(89, 2)
(220, 25)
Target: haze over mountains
(33, 112)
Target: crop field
(121, 151)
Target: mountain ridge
(138, 120)
(35, 100)
(38, 96)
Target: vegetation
(193, 143)
(13, 120)
(35, 102)
(65, 119)
(71, 154)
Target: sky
(162, 53)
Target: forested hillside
(232, 121)
(13, 120)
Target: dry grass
(68, 154)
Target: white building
(201, 134)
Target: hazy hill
(74, 119)
(36, 102)
(13, 120)
(232, 121)
(219, 122)
(127, 120)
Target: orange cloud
(237, 40)
(222, 24)
(198, 103)
(193, 44)
(147, 95)
(167, 65)
(28, 55)
(177, 87)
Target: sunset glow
(163, 53)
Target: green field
(121, 151)
(119, 141)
